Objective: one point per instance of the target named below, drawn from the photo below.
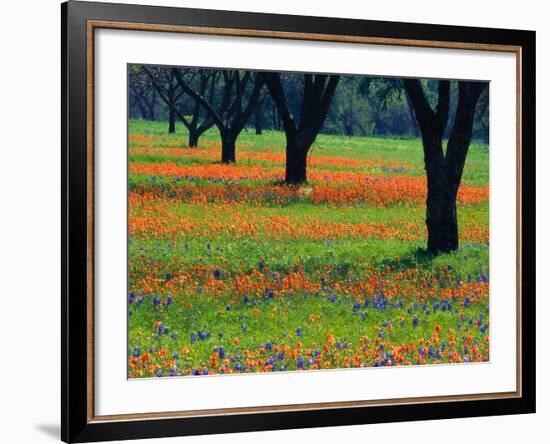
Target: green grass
(408, 151)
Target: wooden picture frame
(79, 22)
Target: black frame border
(75, 425)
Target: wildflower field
(231, 271)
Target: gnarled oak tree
(165, 82)
(444, 169)
(318, 90)
(234, 110)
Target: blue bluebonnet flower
(415, 321)
(300, 362)
(136, 352)
(217, 273)
(203, 335)
(221, 352)
(299, 332)
(268, 346)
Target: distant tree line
(304, 105)
(361, 106)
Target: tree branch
(166, 99)
(216, 117)
(273, 82)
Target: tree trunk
(414, 125)
(228, 147)
(296, 162)
(171, 121)
(441, 216)
(444, 170)
(193, 138)
(142, 108)
(258, 119)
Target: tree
(347, 110)
(233, 112)
(444, 169)
(166, 83)
(317, 93)
(390, 113)
(142, 93)
(258, 115)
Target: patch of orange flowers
(154, 217)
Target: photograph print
(288, 221)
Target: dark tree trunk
(193, 138)
(441, 220)
(152, 103)
(151, 112)
(296, 162)
(171, 121)
(414, 125)
(276, 118)
(142, 108)
(228, 147)
(441, 216)
(258, 119)
(444, 170)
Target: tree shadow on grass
(418, 257)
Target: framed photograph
(277, 221)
